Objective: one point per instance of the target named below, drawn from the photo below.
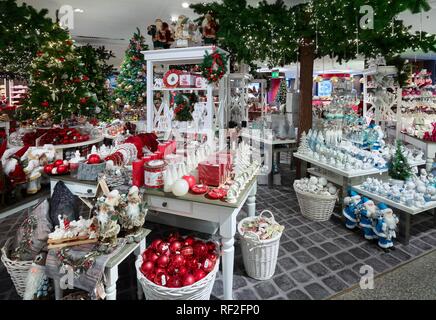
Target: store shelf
(411, 210)
(180, 89)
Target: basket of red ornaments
(178, 268)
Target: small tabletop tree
(399, 167)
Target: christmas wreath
(171, 78)
(184, 105)
(214, 66)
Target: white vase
(168, 181)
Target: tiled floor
(316, 260)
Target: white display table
(407, 211)
(192, 206)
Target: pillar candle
(138, 173)
(159, 155)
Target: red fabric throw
(149, 140)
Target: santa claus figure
(209, 29)
(12, 167)
(351, 210)
(385, 226)
(368, 214)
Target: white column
(137, 252)
(111, 283)
(150, 104)
(227, 232)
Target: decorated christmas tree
(281, 95)
(131, 89)
(304, 145)
(58, 87)
(95, 66)
(399, 168)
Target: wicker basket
(259, 256)
(200, 290)
(314, 206)
(18, 270)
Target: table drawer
(78, 188)
(167, 204)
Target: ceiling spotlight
(174, 18)
(78, 10)
(185, 5)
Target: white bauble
(180, 187)
(332, 190)
(322, 181)
(313, 180)
(431, 190)
(421, 189)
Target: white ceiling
(116, 20)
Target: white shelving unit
(15, 92)
(159, 118)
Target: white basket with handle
(200, 290)
(259, 256)
(316, 207)
(18, 270)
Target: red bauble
(187, 251)
(151, 276)
(188, 279)
(83, 100)
(177, 260)
(147, 267)
(189, 241)
(175, 246)
(200, 249)
(62, 169)
(199, 274)
(44, 104)
(152, 256)
(160, 270)
(161, 279)
(155, 243)
(173, 237)
(174, 282)
(58, 162)
(48, 168)
(182, 271)
(191, 181)
(94, 159)
(211, 246)
(193, 264)
(172, 269)
(208, 265)
(212, 256)
(163, 261)
(162, 248)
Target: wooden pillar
(307, 56)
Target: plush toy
(385, 226)
(368, 214)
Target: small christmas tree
(131, 89)
(399, 168)
(304, 145)
(58, 87)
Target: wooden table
(406, 212)
(220, 212)
(111, 269)
(428, 147)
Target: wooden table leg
(111, 283)
(251, 201)
(137, 252)
(303, 169)
(227, 232)
(405, 228)
(434, 217)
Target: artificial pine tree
(95, 66)
(131, 89)
(281, 95)
(399, 167)
(58, 87)
(303, 148)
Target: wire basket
(316, 207)
(18, 270)
(259, 256)
(200, 290)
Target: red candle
(161, 147)
(146, 159)
(138, 173)
(159, 154)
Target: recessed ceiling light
(174, 18)
(78, 10)
(185, 5)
